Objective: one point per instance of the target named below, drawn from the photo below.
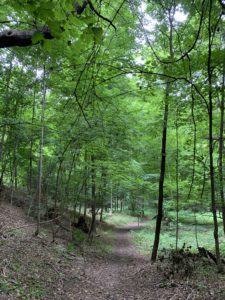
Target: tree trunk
(30, 172)
(104, 186)
(57, 183)
(79, 213)
(177, 180)
(16, 139)
(221, 145)
(6, 113)
(210, 115)
(162, 175)
(101, 214)
(163, 149)
(111, 198)
(93, 200)
(41, 153)
(85, 184)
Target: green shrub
(79, 236)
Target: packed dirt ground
(111, 268)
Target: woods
(116, 109)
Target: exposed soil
(34, 268)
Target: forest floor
(34, 268)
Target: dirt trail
(124, 274)
(34, 268)
(111, 276)
(64, 275)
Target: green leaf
(88, 20)
(47, 45)
(37, 37)
(98, 34)
(87, 35)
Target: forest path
(35, 268)
(112, 275)
(63, 274)
(124, 274)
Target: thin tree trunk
(101, 214)
(111, 198)
(177, 181)
(221, 145)
(117, 199)
(210, 115)
(15, 147)
(57, 184)
(93, 200)
(162, 175)
(30, 176)
(85, 197)
(69, 175)
(79, 213)
(15, 161)
(195, 131)
(163, 149)
(104, 185)
(41, 152)
(75, 210)
(85, 184)
(6, 112)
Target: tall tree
(40, 173)
(210, 114)
(171, 12)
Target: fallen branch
(207, 254)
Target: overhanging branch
(21, 38)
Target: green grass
(188, 217)
(144, 238)
(32, 290)
(125, 217)
(119, 219)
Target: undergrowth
(119, 219)
(188, 217)
(101, 243)
(191, 235)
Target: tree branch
(99, 15)
(23, 38)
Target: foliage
(187, 235)
(105, 90)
